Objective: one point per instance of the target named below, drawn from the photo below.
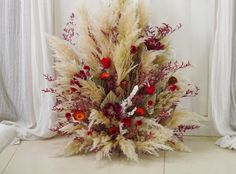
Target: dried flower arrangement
(117, 87)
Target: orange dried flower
(105, 75)
(79, 115)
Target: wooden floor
(38, 157)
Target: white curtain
(24, 59)
(223, 74)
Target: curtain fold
(24, 60)
(223, 74)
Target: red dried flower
(153, 43)
(87, 67)
(72, 82)
(81, 75)
(172, 80)
(68, 116)
(150, 89)
(105, 75)
(140, 111)
(150, 102)
(113, 130)
(172, 88)
(127, 122)
(73, 90)
(89, 133)
(88, 74)
(133, 49)
(124, 84)
(112, 110)
(106, 62)
(139, 123)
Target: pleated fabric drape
(222, 103)
(24, 59)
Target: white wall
(192, 42)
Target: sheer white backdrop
(24, 60)
(223, 74)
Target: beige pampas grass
(163, 135)
(62, 49)
(143, 13)
(74, 147)
(152, 147)
(123, 61)
(86, 42)
(105, 151)
(184, 118)
(64, 53)
(70, 128)
(128, 30)
(127, 147)
(89, 88)
(97, 117)
(148, 58)
(166, 99)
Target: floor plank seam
(4, 169)
(164, 165)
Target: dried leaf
(110, 98)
